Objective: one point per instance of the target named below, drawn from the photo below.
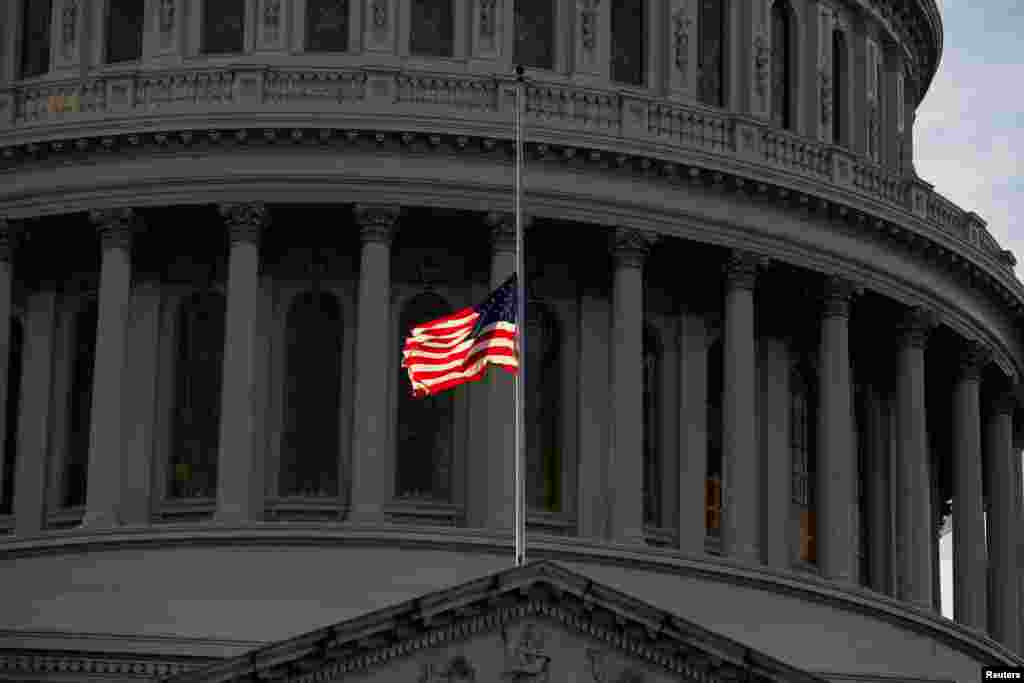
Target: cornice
(566, 549)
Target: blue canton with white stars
(500, 306)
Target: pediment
(536, 624)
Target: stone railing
(556, 114)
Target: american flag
(457, 348)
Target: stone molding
(48, 664)
(800, 585)
(972, 359)
(115, 227)
(245, 221)
(377, 223)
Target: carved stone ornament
(838, 292)
(973, 357)
(115, 226)
(681, 23)
(915, 327)
(588, 24)
(631, 247)
(380, 14)
(762, 60)
(68, 25)
(457, 669)
(604, 667)
(526, 657)
(487, 18)
(825, 83)
(741, 270)
(377, 223)
(503, 231)
(245, 221)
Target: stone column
(6, 268)
(373, 471)
(625, 470)
(877, 494)
(239, 473)
(1003, 523)
(106, 433)
(773, 367)
(836, 467)
(501, 395)
(740, 459)
(34, 420)
(969, 555)
(693, 431)
(914, 521)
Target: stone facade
(770, 355)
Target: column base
(107, 519)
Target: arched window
(35, 37)
(803, 446)
(711, 40)
(125, 20)
(309, 448)
(543, 409)
(196, 429)
(223, 26)
(628, 49)
(432, 28)
(651, 424)
(713, 487)
(782, 65)
(839, 84)
(76, 463)
(535, 33)
(326, 25)
(424, 422)
(14, 356)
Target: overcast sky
(968, 137)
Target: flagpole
(520, 441)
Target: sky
(969, 136)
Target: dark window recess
(223, 26)
(424, 423)
(711, 51)
(838, 87)
(713, 486)
(326, 25)
(35, 43)
(196, 435)
(628, 41)
(124, 30)
(652, 424)
(14, 356)
(432, 28)
(782, 81)
(543, 410)
(309, 452)
(534, 39)
(77, 463)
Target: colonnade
(981, 556)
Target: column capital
(972, 357)
(741, 270)
(632, 247)
(1004, 403)
(115, 226)
(245, 221)
(377, 222)
(837, 294)
(916, 325)
(10, 233)
(502, 225)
